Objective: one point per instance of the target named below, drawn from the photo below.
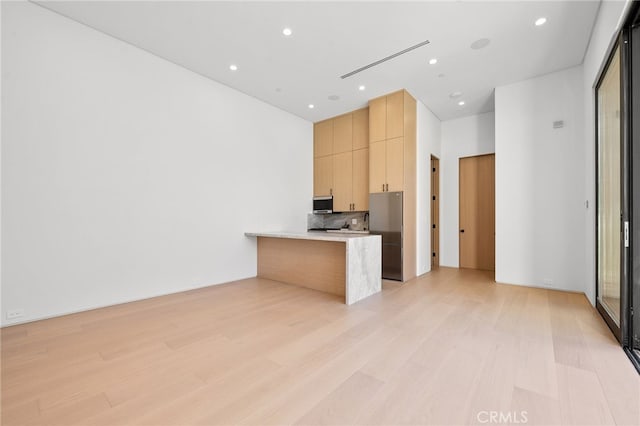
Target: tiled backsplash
(338, 220)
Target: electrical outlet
(15, 313)
(547, 281)
(354, 221)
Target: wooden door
(395, 164)
(342, 181)
(361, 129)
(378, 119)
(435, 212)
(322, 175)
(477, 212)
(361, 179)
(323, 138)
(342, 134)
(395, 115)
(377, 166)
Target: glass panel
(609, 208)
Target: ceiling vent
(385, 59)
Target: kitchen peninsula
(347, 265)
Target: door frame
(434, 164)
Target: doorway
(435, 212)
(477, 212)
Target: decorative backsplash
(339, 220)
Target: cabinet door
(361, 128)
(322, 175)
(361, 179)
(342, 134)
(378, 119)
(342, 181)
(395, 115)
(323, 138)
(395, 164)
(377, 166)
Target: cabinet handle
(387, 187)
(383, 187)
(330, 191)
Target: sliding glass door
(618, 188)
(609, 183)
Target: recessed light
(233, 67)
(433, 61)
(540, 21)
(287, 31)
(311, 106)
(454, 95)
(361, 88)
(480, 44)
(461, 103)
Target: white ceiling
(332, 39)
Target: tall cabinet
(392, 162)
(341, 160)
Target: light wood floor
(446, 348)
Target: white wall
(607, 24)
(462, 137)
(125, 176)
(540, 205)
(428, 143)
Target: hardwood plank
(343, 405)
(436, 350)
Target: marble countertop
(312, 235)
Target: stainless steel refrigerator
(385, 219)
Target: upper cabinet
(341, 160)
(342, 134)
(360, 129)
(395, 115)
(378, 119)
(323, 138)
(390, 123)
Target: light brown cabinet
(361, 179)
(395, 115)
(323, 138)
(361, 129)
(322, 176)
(378, 119)
(342, 134)
(386, 166)
(392, 162)
(344, 172)
(342, 181)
